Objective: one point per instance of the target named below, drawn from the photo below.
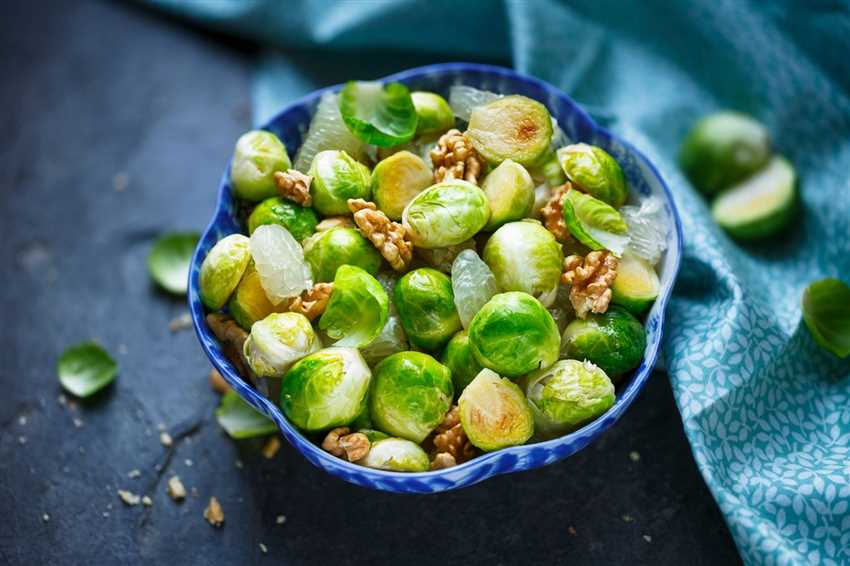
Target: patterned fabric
(767, 412)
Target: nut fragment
(294, 185)
(442, 460)
(455, 158)
(590, 279)
(390, 238)
(214, 514)
(271, 447)
(232, 338)
(451, 446)
(334, 222)
(312, 302)
(553, 213)
(129, 498)
(175, 489)
(342, 443)
(165, 439)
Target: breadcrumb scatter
(214, 514)
(175, 489)
(165, 439)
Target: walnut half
(455, 158)
(312, 302)
(343, 443)
(553, 213)
(590, 279)
(294, 185)
(389, 237)
(451, 446)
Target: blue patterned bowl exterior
(291, 125)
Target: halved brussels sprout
(357, 310)
(446, 214)
(222, 270)
(325, 389)
(636, 285)
(337, 177)
(494, 413)
(594, 223)
(435, 114)
(567, 395)
(510, 193)
(397, 179)
(299, 220)
(379, 114)
(326, 251)
(614, 341)
(278, 341)
(513, 334)
(249, 302)
(525, 256)
(512, 127)
(723, 149)
(410, 394)
(425, 304)
(458, 357)
(592, 170)
(258, 155)
(397, 455)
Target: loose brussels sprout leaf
(525, 256)
(647, 229)
(279, 260)
(510, 193)
(761, 205)
(85, 369)
(169, 260)
(328, 131)
(567, 395)
(425, 304)
(461, 363)
(258, 155)
(494, 412)
(636, 285)
(513, 334)
(357, 310)
(514, 127)
(330, 249)
(463, 99)
(378, 114)
(325, 389)
(249, 303)
(397, 179)
(397, 455)
(410, 394)
(446, 214)
(300, 221)
(595, 172)
(826, 312)
(278, 341)
(338, 177)
(241, 420)
(614, 341)
(222, 270)
(723, 149)
(473, 284)
(594, 223)
(434, 113)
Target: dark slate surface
(90, 91)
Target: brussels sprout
(435, 114)
(826, 313)
(410, 394)
(397, 455)
(326, 251)
(567, 395)
(337, 177)
(614, 341)
(513, 334)
(364, 419)
(222, 270)
(258, 155)
(325, 389)
(512, 127)
(378, 114)
(442, 259)
(549, 172)
(510, 193)
(595, 172)
(461, 363)
(397, 179)
(723, 149)
(299, 220)
(636, 285)
(278, 341)
(249, 302)
(594, 223)
(425, 304)
(373, 435)
(494, 413)
(357, 310)
(446, 214)
(525, 256)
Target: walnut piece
(334, 222)
(271, 447)
(343, 443)
(312, 302)
(590, 279)
(455, 158)
(232, 338)
(451, 446)
(553, 213)
(294, 185)
(175, 489)
(214, 514)
(390, 238)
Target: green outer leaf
(826, 312)
(594, 223)
(382, 115)
(241, 420)
(357, 310)
(170, 258)
(85, 369)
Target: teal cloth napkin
(767, 413)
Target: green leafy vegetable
(357, 310)
(378, 114)
(241, 420)
(594, 223)
(826, 311)
(169, 260)
(85, 369)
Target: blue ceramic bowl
(291, 124)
